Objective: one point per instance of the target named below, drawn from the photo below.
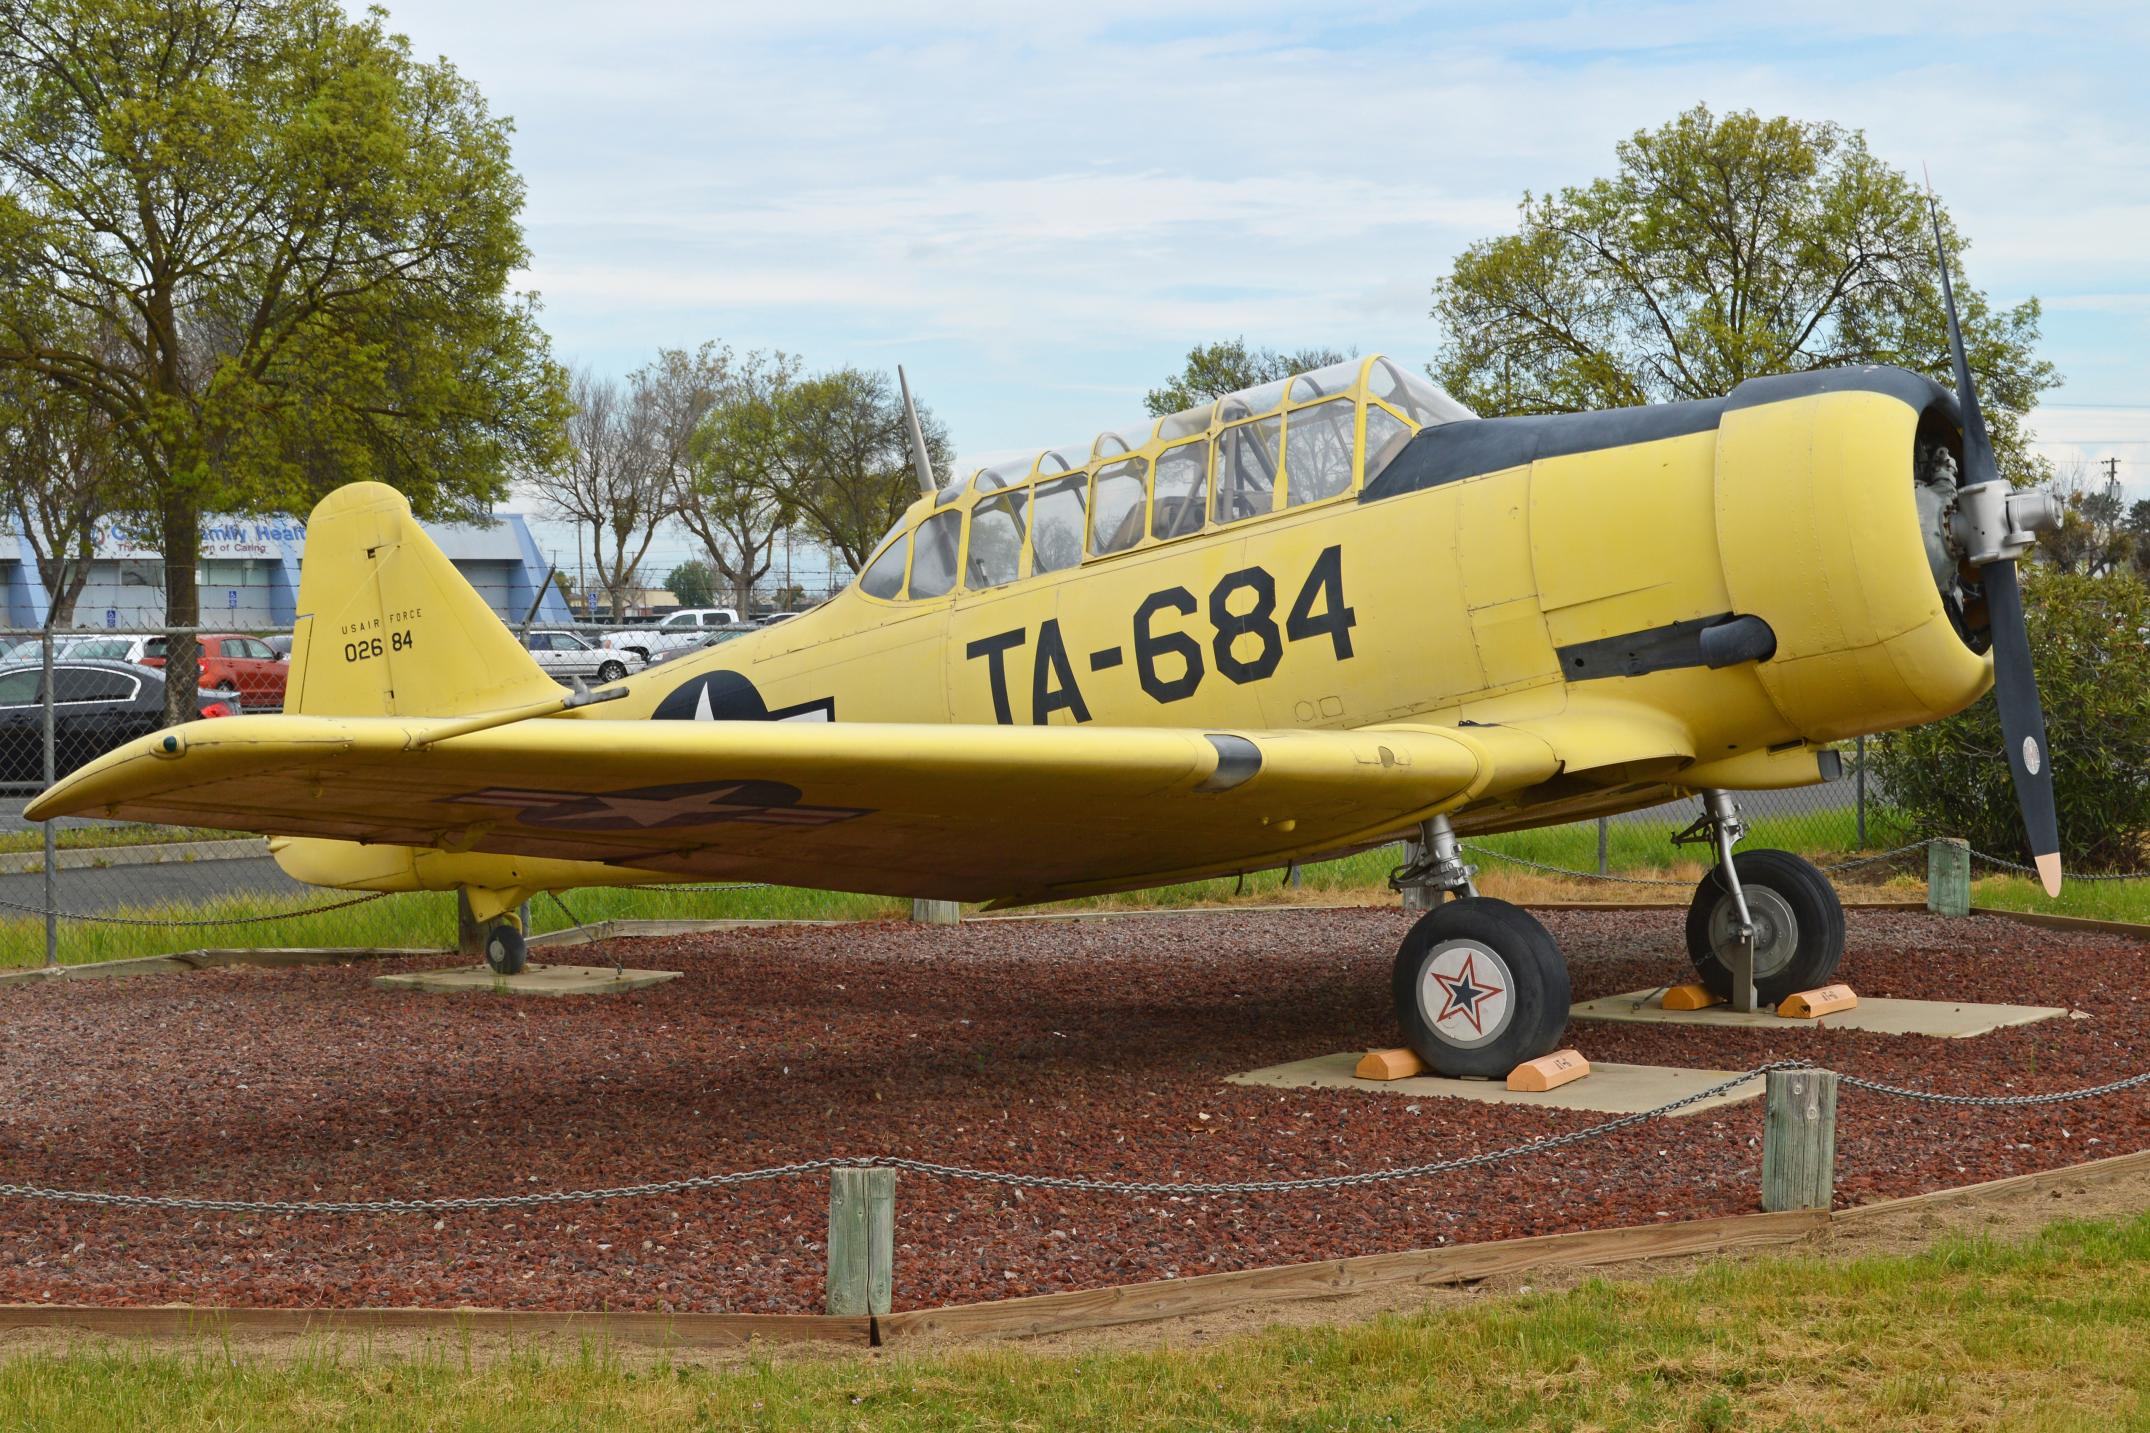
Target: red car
(232, 663)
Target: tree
(1951, 778)
(1724, 249)
(1215, 369)
(847, 458)
(2094, 535)
(292, 243)
(733, 492)
(63, 470)
(610, 479)
(694, 583)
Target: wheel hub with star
(1466, 993)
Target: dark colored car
(96, 706)
(245, 667)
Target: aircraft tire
(1799, 926)
(506, 953)
(1480, 986)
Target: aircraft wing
(948, 812)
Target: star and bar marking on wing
(644, 808)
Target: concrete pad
(550, 980)
(1609, 1089)
(1948, 1019)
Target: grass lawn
(97, 838)
(2049, 1334)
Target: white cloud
(1040, 207)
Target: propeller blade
(2015, 684)
(2015, 689)
(1978, 464)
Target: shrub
(2090, 641)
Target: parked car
(770, 619)
(280, 644)
(569, 654)
(96, 706)
(111, 646)
(704, 641)
(683, 628)
(236, 666)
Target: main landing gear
(1479, 984)
(1764, 924)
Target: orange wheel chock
(1548, 1072)
(1689, 997)
(1808, 1004)
(1390, 1065)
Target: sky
(1037, 209)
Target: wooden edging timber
(2052, 922)
(2095, 1171)
(681, 1330)
(1461, 1263)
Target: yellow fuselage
(1507, 573)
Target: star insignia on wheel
(1465, 994)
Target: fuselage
(1492, 571)
(1670, 598)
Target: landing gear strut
(1479, 985)
(1763, 925)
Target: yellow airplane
(1299, 621)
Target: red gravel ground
(1095, 1048)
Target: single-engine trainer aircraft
(1306, 619)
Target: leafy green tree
(694, 583)
(733, 488)
(1215, 369)
(847, 458)
(1723, 250)
(292, 242)
(63, 471)
(1950, 778)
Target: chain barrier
(2072, 875)
(1991, 1102)
(186, 924)
(1063, 1183)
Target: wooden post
(1948, 876)
(937, 912)
(1799, 1140)
(469, 934)
(862, 1240)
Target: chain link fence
(81, 890)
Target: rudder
(388, 627)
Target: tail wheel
(1480, 987)
(1798, 926)
(505, 950)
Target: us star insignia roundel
(1473, 995)
(693, 803)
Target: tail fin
(388, 627)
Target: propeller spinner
(1992, 526)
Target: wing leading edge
(962, 813)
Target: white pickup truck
(684, 628)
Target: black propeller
(1992, 527)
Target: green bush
(2090, 641)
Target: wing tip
(2049, 872)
